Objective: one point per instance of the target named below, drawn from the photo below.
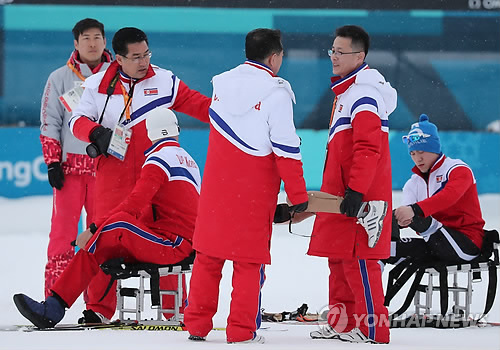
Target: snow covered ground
(292, 279)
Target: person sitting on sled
(168, 175)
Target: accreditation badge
(71, 98)
(119, 142)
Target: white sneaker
(371, 216)
(356, 336)
(325, 332)
(257, 340)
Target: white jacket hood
(373, 78)
(244, 86)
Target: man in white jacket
(71, 172)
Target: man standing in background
(71, 172)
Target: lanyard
(78, 74)
(127, 99)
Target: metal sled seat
(460, 290)
(120, 271)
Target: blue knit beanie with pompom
(423, 136)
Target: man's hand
(282, 213)
(404, 215)
(56, 175)
(100, 138)
(83, 238)
(352, 203)
(299, 208)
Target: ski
(131, 326)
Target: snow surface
(292, 279)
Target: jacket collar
(74, 59)
(261, 66)
(166, 142)
(113, 69)
(340, 85)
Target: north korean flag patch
(439, 178)
(151, 92)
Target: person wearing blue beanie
(423, 143)
(440, 203)
(423, 136)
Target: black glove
(352, 203)
(56, 175)
(282, 213)
(100, 139)
(395, 234)
(299, 208)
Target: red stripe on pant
(115, 243)
(244, 315)
(356, 298)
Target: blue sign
(22, 169)
(24, 173)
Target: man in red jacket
(169, 173)
(116, 102)
(358, 168)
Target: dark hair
(357, 34)
(261, 43)
(86, 24)
(125, 36)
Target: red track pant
(121, 236)
(244, 316)
(67, 204)
(356, 298)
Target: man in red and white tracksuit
(357, 167)
(136, 87)
(440, 202)
(169, 182)
(71, 172)
(252, 146)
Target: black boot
(45, 314)
(89, 316)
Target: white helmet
(161, 122)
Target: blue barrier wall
(23, 172)
(443, 63)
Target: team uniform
(447, 193)
(170, 182)
(357, 156)
(115, 178)
(59, 145)
(252, 146)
